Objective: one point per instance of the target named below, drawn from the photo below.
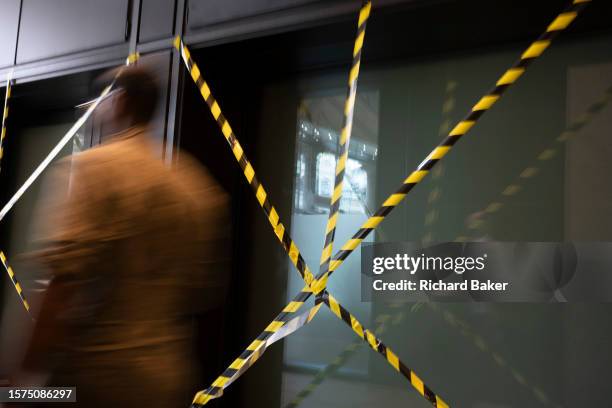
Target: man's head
(133, 100)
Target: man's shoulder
(198, 182)
(129, 163)
(113, 156)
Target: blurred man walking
(135, 248)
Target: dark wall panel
(156, 19)
(51, 28)
(203, 13)
(9, 20)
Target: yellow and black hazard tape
(377, 345)
(561, 22)
(272, 334)
(43, 165)
(283, 325)
(232, 374)
(500, 361)
(320, 376)
(431, 216)
(262, 197)
(15, 282)
(249, 173)
(132, 58)
(385, 319)
(5, 113)
(531, 171)
(345, 138)
(249, 356)
(383, 322)
(60, 145)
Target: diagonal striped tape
(485, 103)
(480, 343)
(431, 216)
(279, 230)
(377, 345)
(41, 167)
(5, 112)
(345, 138)
(249, 173)
(272, 334)
(15, 282)
(52, 154)
(560, 23)
(132, 58)
(455, 322)
(320, 376)
(57, 148)
(531, 171)
(383, 322)
(509, 77)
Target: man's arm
(67, 238)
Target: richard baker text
(430, 285)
